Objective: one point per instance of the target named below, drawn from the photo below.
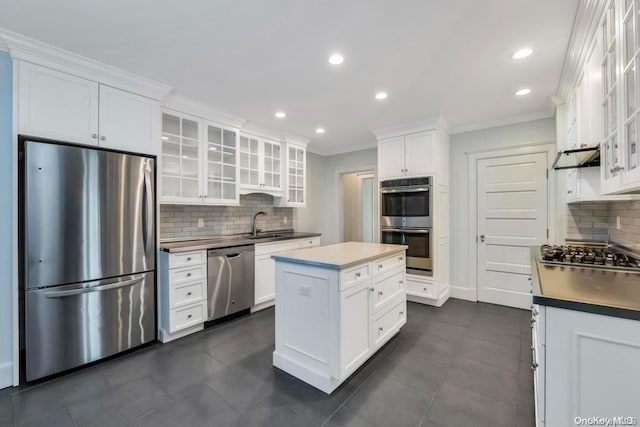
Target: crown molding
(585, 25)
(27, 49)
(262, 131)
(343, 149)
(202, 110)
(430, 123)
(505, 121)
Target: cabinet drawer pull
(189, 259)
(372, 289)
(379, 266)
(188, 294)
(380, 329)
(401, 282)
(103, 138)
(380, 293)
(94, 135)
(189, 316)
(188, 274)
(357, 275)
(425, 289)
(402, 313)
(399, 258)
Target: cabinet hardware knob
(372, 289)
(401, 313)
(569, 192)
(188, 258)
(94, 135)
(425, 289)
(189, 316)
(357, 275)
(534, 366)
(401, 282)
(379, 266)
(103, 138)
(381, 329)
(188, 274)
(188, 294)
(380, 293)
(206, 195)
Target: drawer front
(353, 275)
(310, 242)
(274, 248)
(188, 293)
(386, 264)
(422, 289)
(187, 274)
(185, 317)
(187, 258)
(388, 322)
(387, 288)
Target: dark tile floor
(464, 364)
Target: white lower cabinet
(329, 322)
(182, 300)
(265, 267)
(585, 365)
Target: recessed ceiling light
(381, 95)
(336, 59)
(281, 114)
(523, 92)
(522, 53)
(320, 130)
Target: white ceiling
(250, 58)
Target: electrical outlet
(618, 226)
(200, 222)
(304, 290)
(285, 220)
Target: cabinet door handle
(357, 274)
(379, 266)
(188, 294)
(380, 329)
(425, 289)
(103, 138)
(188, 274)
(380, 293)
(372, 289)
(94, 135)
(188, 258)
(569, 192)
(189, 316)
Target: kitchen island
(336, 305)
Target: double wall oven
(406, 218)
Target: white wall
(461, 144)
(322, 212)
(6, 221)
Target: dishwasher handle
(231, 252)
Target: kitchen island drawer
(184, 317)
(388, 322)
(386, 264)
(353, 275)
(309, 242)
(387, 287)
(187, 293)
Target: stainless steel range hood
(583, 157)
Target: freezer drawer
(68, 326)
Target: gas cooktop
(592, 256)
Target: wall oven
(406, 219)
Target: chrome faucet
(254, 231)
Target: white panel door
(420, 153)
(128, 122)
(56, 105)
(391, 158)
(512, 216)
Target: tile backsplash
(182, 220)
(599, 221)
(629, 233)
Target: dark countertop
(594, 290)
(201, 243)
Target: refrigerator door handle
(114, 285)
(148, 209)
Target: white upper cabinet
(57, 105)
(221, 165)
(296, 191)
(391, 159)
(260, 165)
(128, 122)
(410, 155)
(199, 161)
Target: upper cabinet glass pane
(170, 124)
(214, 135)
(189, 129)
(229, 138)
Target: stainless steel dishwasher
(230, 280)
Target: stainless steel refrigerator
(88, 254)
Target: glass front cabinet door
(221, 165)
(296, 185)
(181, 168)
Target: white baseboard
(263, 305)
(458, 292)
(6, 374)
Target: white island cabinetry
(336, 306)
